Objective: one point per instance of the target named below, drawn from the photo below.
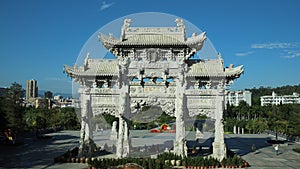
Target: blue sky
(38, 37)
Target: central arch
(187, 85)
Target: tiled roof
(207, 68)
(151, 39)
(95, 67)
(204, 68)
(102, 67)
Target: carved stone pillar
(180, 107)
(86, 132)
(179, 147)
(219, 147)
(124, 108)
(114, 133)
(123, 140)
(120, 140)
(126, 143)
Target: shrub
(296, 150)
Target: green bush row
(165, 160)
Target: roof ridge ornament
(180, 26)
(126, 25)
(220, 58)
(86, 61)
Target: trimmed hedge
(168, 160)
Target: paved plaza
(39, 153)
(264, 157)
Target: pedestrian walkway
(264, 157)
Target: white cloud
(104, 5)
(276, 45)
(291, 54)
(244, 53)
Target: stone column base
(198, 134)
(180, 148)
(87, 148)
(219, 150)
(126, 148)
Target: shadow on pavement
(38, 152)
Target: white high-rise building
(31, 89)
(235, 97)
(274, 99)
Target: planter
(173, 162)
(178, 162)
(87, 160)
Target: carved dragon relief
(196, 112)
(151, 55)
(105, 110)
(167, 105)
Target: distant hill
(261, 91)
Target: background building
(43, 103)
(274, 99)
(235, 97)
(31, 89)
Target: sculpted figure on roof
(124, 27)
(180, 24)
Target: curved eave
(194, 42)
(197, 41)
(234, 72)
(107, 42)
(69, 71)
(220, 75)
(84, 74)
(75, 73)
(152, 45)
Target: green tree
(3, 119)
(15, 92)
(48, 94)
(11, 109)
(37, 119)
(67, 118)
